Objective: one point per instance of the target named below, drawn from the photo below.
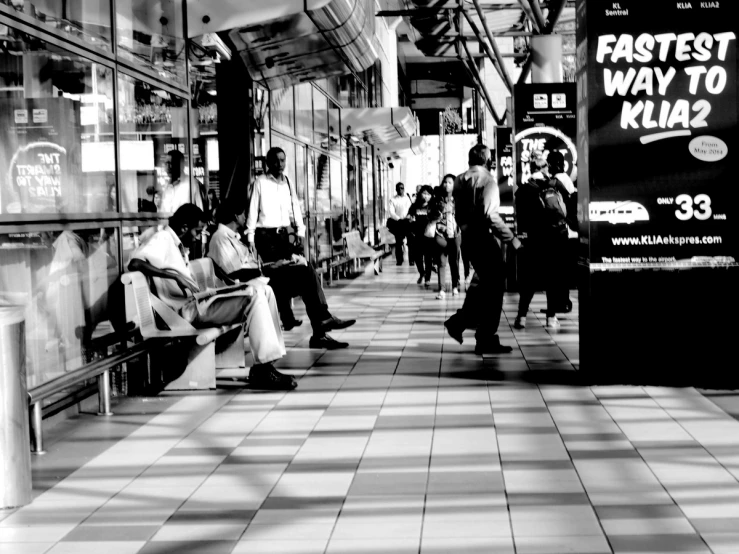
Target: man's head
(276, 161)
(556, 162)
(188, 223)
(538, 164)
(479, 155)
(232, 215)
(400, 189)
(175, 164)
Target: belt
(275, 230)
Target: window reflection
(150, 33)
(88, 20)
(66, 281)
(56, 130)
(153, 148)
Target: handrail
(88, 371)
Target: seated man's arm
(222, 275)
(185, 283)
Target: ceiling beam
(536, 7)
(556, 7)
(477, 78)
(496, 51)
(529, 12)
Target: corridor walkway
(406, 442)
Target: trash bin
(15, 451)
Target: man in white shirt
(274, 210)
(398, 223)
(164, 258)
(182, 189)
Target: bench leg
(104, 394)
(200, 372)
(230, 350)
(37, 431)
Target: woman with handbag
(448, 236)
(424, 230)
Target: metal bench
(209, 349)
(357, 249)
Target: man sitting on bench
(164, 259)
(287, 278)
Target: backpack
(554, 216)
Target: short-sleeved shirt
(164, 250)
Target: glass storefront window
(65, 278)
(151, 33)
(304, 112)
(323, 205)
(334, 128)
(283, 110)
(154, 150)
(261, 139)
(320, 118)
(88, 20)
(56, 131)
(338, 195)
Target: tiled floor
(404, 443)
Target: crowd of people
(459, 221)
(257, 252)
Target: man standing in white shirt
(399, 224)
(274, 210)
(164, 258)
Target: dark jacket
(530, 217)
(477, 201)
(420, 214)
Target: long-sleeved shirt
(399, 206)
(273, 205)
(477, 201)
(228, 252)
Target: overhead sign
(661, 98)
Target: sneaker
(290, 325)
(441, 295)
(326, 342)
(553, 322)
(481, 349)
(455, 291)
(334, 323)
(520, 322)
(265, 376)
(454, 331)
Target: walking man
(399, 223)
(477, 201)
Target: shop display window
(304, 112)
(283, 110)
(88, 20)
(56, 131)
(67, 280)
(150, 33)
(155, 174)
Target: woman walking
(448, 237)
(424, 234)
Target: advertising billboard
(504, 172)
(663, 97)
(545, 121)
(657, 196)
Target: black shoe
(265, 376)
(398, 263)
(334, 323)
(290, 325)
(454, 331)
(326, 343)
(492, 349)
(420, 280)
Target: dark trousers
(291, 281)
(542, 265)
(483, 303)
(402, 229)
(466, 261)
(448, 250)
(425, 248)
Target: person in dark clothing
(477, 201)
(448, 237)
(424, 244)
(541, 264)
